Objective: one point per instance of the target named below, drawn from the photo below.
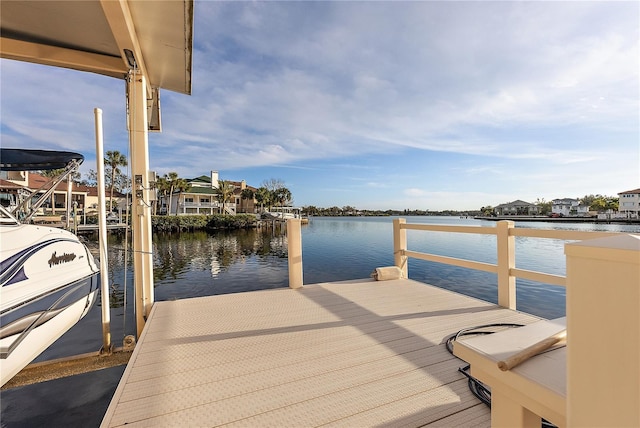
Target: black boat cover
(35, 160)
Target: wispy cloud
(450, 90)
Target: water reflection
(334, 249)
(116, 295)
(200, 264)
(192, 264)
(176, 254)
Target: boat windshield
(6, 218)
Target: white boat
(48, 279)
(282, 213)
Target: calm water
(200, 264)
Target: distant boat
(48, 278)
(282, 213)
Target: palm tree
(282, 196)
(161, 189)
(263, 197)
(247, 194)
(113, 160)
(181, 185)
(74, 176)
(171, 179)
(224, 192)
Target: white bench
(535, 389)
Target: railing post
(400, 246)
(294, 246)
(506, 262)
(603, 332)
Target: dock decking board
(351, 353)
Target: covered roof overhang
(107, 37)
(154, 38)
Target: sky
(376, 105)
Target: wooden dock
(354, 353)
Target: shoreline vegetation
(183, 223)
(216, 222)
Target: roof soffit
(90, 35)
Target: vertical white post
(603, 332)
(75, 217)
(294, 246)
(400, 246)
(102, 232)
(141, 205)
(68, 204)
(506, 261)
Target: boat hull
(49, 281)
(21, 348)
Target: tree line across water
(273, 192)
(598, 203)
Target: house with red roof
(16, 186)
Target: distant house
(516, 208)
(119, 199)
(629, 203)
(569, 207)
(11, 194)
(249, 205)
(16, 186)
(201, 198)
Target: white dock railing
(603, 303)
(505, 268)
(603, 314)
